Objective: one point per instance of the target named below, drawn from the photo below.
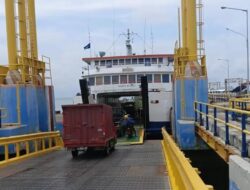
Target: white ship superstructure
(112, 77)
(122, 74)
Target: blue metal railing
(239, 103)
(204, 112)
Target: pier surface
(139, 167)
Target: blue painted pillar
(186, 92)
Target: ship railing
(207, 115)
(220, 97)
(16, 148)
(240, 103)
(182, 174)
(48, 73)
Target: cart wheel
(107, 150)
(90, 149)
(113, 147)
(74, 153)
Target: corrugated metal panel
(87, 125)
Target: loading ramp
(128, 167)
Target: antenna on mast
(129, 39)
(114, 17)
(152, 41)
(90, 52)
(144, 37)
(128, 43)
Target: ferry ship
(112, 77)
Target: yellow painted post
(18, 104)
(23, 38)
(11, 33)
(6, 152)
(17, 149)
(50, 142)
(184, 23)
(33, 41)
(36, 146)
(43, 144)
(27, 147)
(191, 30)
(32, 24)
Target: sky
(63, 28)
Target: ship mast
(128, 43)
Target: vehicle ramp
(139, 167)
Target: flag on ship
(87, 46)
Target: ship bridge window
(123, 79)
(121, 61)
(131, 79)
(99, 80)
(102, 63)
(149, 77)
(165, 61)
(141, 61)
(160, 60)
(91, 81)
(115, 79)
(154, 60)
(115, 62)
(134, 61)
(128, 61)
(107, 79)
(165, 78)
(139, 78)
(96, 63)
(109, 64)
(157, 78)
(147, 62)
(170, 59)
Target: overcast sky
(63, 26)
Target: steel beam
(191, 30)
(11, 33)
(32, 25)
(184, 23)
(23, 39)
(224, 151)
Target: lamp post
(238, 33)
(247, 41)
